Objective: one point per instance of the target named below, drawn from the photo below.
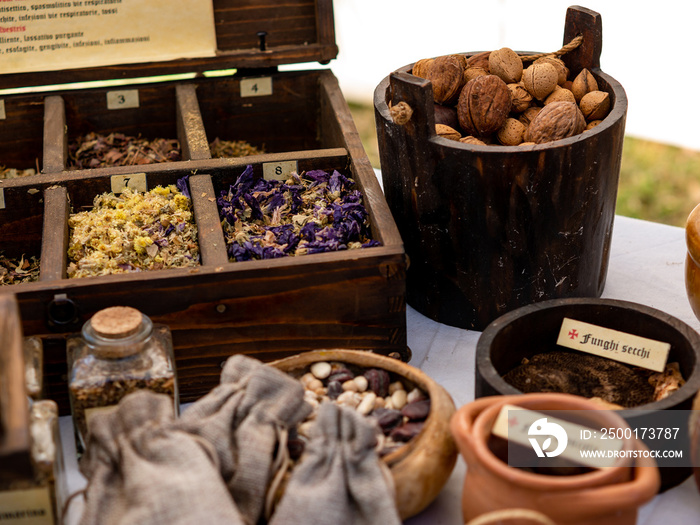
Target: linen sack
(140, 469)
(340, 477)
(246, 418)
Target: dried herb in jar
(233, 148)
(95, 150)
(18, 270)
(309, 213)
(119, 351)
(133, 232)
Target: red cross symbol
(513, 421)
(573, 334)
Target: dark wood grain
(54, 244)
(589, 24)
(55, 139)
(212, 246)
(190, 128)
(490, 228)
(15, 439)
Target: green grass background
(658, 182)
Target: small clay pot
(608, 495)
(534, 329)
(423, 465)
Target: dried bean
(388, 418)
(367, 404)
(361, 382)
(399, 399)
(378, 380)
(342, 375)
(407, 431)
(321, 370)
(350, 386)
(334, 389)
(417, 410)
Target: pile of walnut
(398, 408)
(491, 98)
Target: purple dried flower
(183, 185)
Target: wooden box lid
(250, 34)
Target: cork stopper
(116, 322)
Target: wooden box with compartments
(210, 75)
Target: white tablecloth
(646, 266)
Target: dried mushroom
(133, 232)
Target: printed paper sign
(46, 36)
(279, 170)
(619, 346)
(26, 507)
(133, 181)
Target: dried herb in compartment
(133, 232)
(15, 270)
(233, 148)
(95, 150)
(13, 173)
(309, 213)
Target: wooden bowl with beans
(412, 410)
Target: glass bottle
(119, 351)
(37, 499)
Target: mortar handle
(589, 24)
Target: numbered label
(134, 181)
(2, 109)
(26, 507)
(279, 170)
(256, 87)
(2, 199)
(123, 99)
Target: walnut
(595, 105)
(479, 60)
(511, 133)
(506, 64)
(529, 115)
(444, 131)
(584, 83)
(520, 97)
(558, 120)
(420, 68)
(472, 72)
(540, 79)
(446, 74)
(483, 105)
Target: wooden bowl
(422, 466)
(692, 260)
(534, 329)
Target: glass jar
(119, 351)
(37, 499)
(33, 350)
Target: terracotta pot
(608, 495)
(422, 466)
